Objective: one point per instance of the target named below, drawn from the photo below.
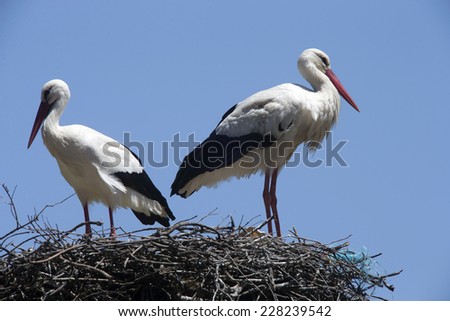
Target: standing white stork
(262, 132)
(98, 168)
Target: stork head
(313, 63)
(55, 93)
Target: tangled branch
(188, 261)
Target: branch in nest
(188, 261)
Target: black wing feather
(141, 183)
(215, 152)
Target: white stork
(262, 132)
(98, 168)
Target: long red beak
(42, 113)
(335, 80)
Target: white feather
(88, 160)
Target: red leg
(266, 198)
(273, 201)
(111, 220)
(86, 220)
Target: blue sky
(155, 69)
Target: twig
(188, 261)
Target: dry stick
(193, 261)
(89, 267)
(98, 223)
(58, 254)
(33, 219)
(11, 203)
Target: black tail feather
(141, 183)
(150, 220)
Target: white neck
(51, 125)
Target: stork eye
(46, 93)
(324, 60)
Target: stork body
(97, 167)
(262, 132)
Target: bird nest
(188, 261)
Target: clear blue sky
(158, 68)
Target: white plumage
(98, 168)
(262, 132)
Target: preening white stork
(98, 168)
(262, 132)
